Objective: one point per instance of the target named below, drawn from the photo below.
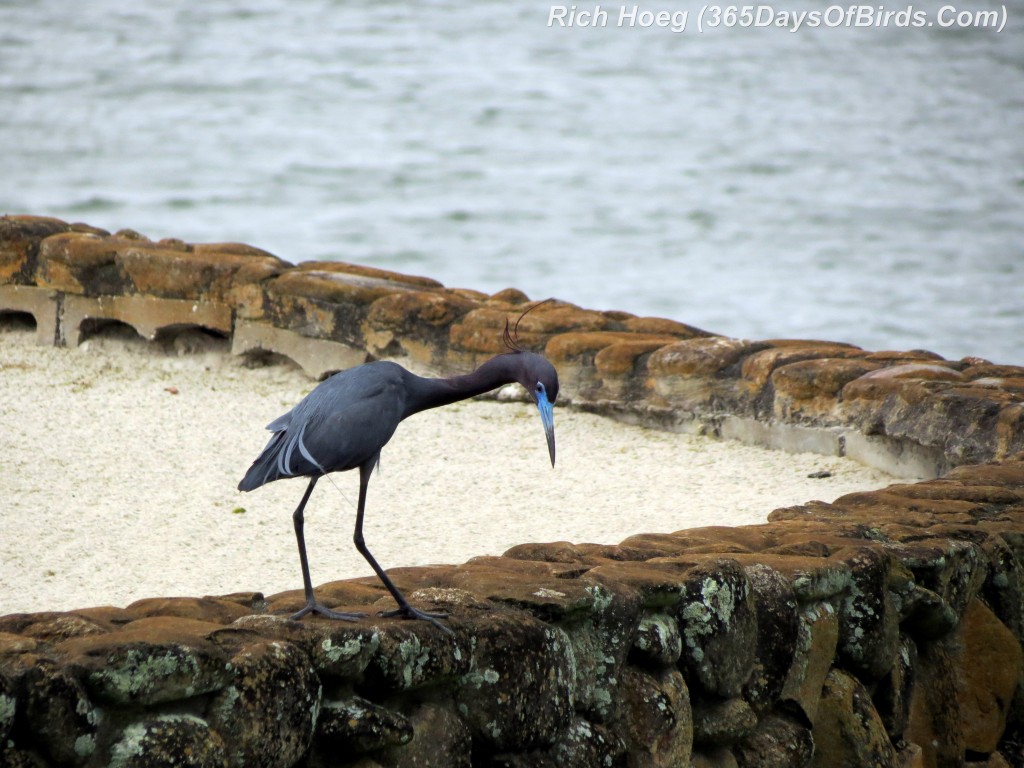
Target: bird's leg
(404, 609)
(312, 606)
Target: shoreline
(124, 458)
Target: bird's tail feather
(264, 469)
(279, 460)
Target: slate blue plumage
(346, 420)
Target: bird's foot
(314, 607)
(408, 612)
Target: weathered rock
(935, 717)
(687, 374)
(808, 390)
(547, 590)
(988, 675)
(361, 726)
(8, 707)
(63, 721)
(759, 366)
(657, 719)
(208, 609)
(414, 325)
(848, 733)
(1003, 588)
(868, 621)
(150, 661)
(521, 701)
(12, 757)
(51, 627)
(721, 723)
(440, 740)
(408, 657)
(814, 652)
(778, 742)
(336, 648)
(168, 741)
(960, 421)
(344, 651)
(927, 616)
(267, 714)
(584, 744)
(953, 570)
(719, 626)
(575, 356)
(714, 758)
(812, 576)
(331, 300)
(19, 245)
(892, 692)
(659, 584)
(480, 333)
(600, 641)
(658, 640)
(219, 273)
(777, 627)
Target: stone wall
(883, 629)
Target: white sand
(114, 489)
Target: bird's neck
(432, 393)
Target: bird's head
(540, 379)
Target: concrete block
(316, 357)
(145, 314)
(902, 458)
(42, 303)
(793, 438)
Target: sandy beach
(121, 461)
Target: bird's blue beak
(547, 418)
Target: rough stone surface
(719, 627)
(780, 741)
(154, 660)
(777, 622)
(653, 370)
(562, 654)
(63, 721)
(935, 718)
(848, 733)
(721, 723)
(19, 245)
(440, 740)
(988, 675)
(814, 652)
(168, 741)
(361, 726)
(268, 713)
(521, 701)
(658, 721)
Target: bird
(345, 421)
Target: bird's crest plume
(511, 338)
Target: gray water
(855, 184)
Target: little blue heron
(347, 419)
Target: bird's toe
(408, 612)
(327, 613)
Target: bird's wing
(281, 422)
(346, 424)
(341, 424)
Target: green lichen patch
(178, 740)
(267, 715)
(719, 626)
(362, 726)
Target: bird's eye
(540, 387)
